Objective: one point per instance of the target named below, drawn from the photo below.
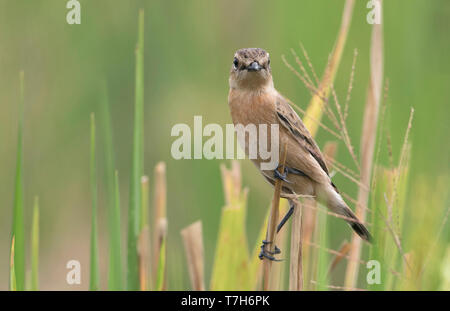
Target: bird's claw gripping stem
(268, 254)
(281, 176)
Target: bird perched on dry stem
(254, 100)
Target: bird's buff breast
(252, 107)
(247, 108)
(257, 108)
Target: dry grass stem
(334, 252)
(144, 258)
(277, 275)
(342, 167)
(315, 106)
(341, 287)
(395, 236)
(306, 80)
(160, 225)
(433, 246)
(308, 61)
(160, 190)
(312, 88)
(193, 245)
(340, 124)
(368, 138)
(381, 126)
(315, 207)
(349, 198)
(345, 256)
(309, 220)
(404, 154)
(319, 102)
(343, 128)
(350, 84)
(303, 112)
(145, 201)
(302, 68)
(310, 225)
(296, 256)
(273, 221)
(232, 182)
(350, 177)
(342, 252)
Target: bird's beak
(254, 67)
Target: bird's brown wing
(291, 121)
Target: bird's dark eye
(235, 62)
(268, 62)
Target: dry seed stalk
(160, 225)
(326, 128)
(273, 221)
(342, 253)
(341, 287)
(315, 106)
(296, 262)
(347, 257)
(193, 245)
(310, 214)
(350, 84)
(367, 144)
(278, 270)
(144, 258)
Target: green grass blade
(391, 186)
(160, 276)
(18, 229)
(12, 272)
(94, 267)
(377, 251)
(137, 164)
(323, 260)
(401, 184)
(231, 261)
(35, 247)
(115, 251)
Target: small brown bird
(254, 100)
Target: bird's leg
(287, 216)
(268, 254)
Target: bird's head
(251, 69)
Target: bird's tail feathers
(337, 205)
(356, 225)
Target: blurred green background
(189, 47)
